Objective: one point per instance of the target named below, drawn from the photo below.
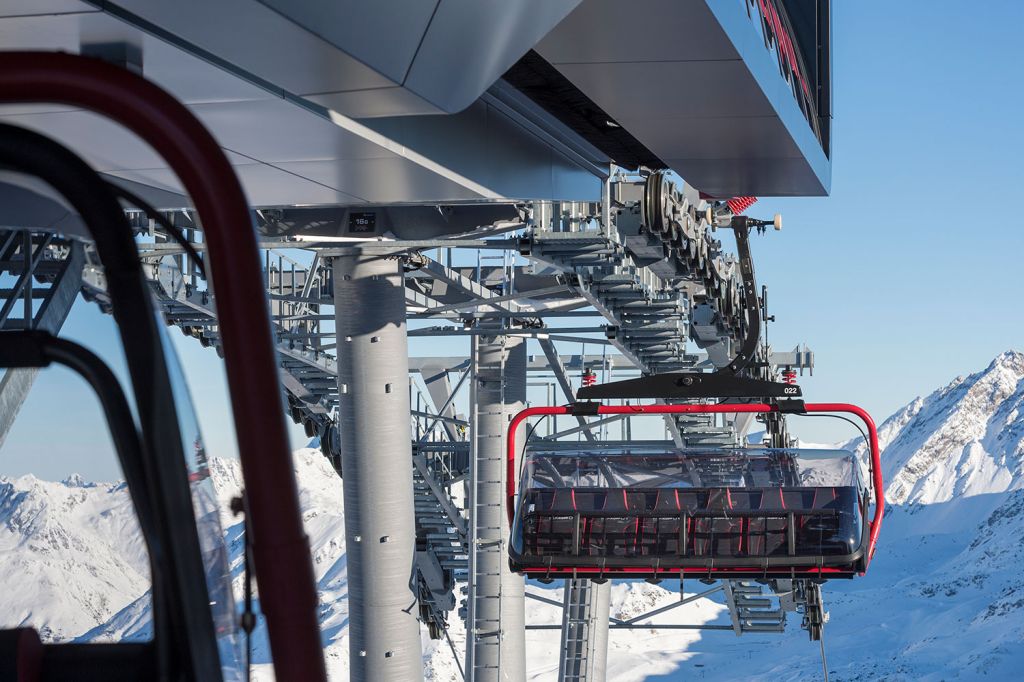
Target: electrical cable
(824, 660)
(248, 619)
(526, 441)
(455, 654)
(845, 419)
(857, 426)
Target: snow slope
(944, 599)
(636, 656)
(72, 554)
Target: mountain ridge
(966, 438)
(948, 568)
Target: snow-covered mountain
(71, 554)
(964, 439)
(62, 556)
(944, 598)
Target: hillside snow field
(944, 599)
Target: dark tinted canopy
(654, 466)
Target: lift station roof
(399, 101)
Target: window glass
(205, 505)
(652, 467)
(73, 562)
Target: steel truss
(642, 270)
(40, 276)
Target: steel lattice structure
(502, 175)
(644, 270)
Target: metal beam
(492, 314)
(515, 296)
(585, 427)
(667, 626)
(15, 384)
(328, 248)
(466, 285)
(523, 333)
(555, 363)
(23, 285)
(669, 607)
(534, 363)
(438, 385)
(395, 246)
(584, 649)
(537, 597)
(437, 418)
(419, 461)
(730, 602)
(495, 648)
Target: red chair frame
(876, 464)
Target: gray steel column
(15, 384)
(599, 606)
(584, 654)
(513, 587)
(373, 415)
(495, 626)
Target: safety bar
(593, 409)
(281, 549)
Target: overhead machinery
(310, 207)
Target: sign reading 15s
(362, 223)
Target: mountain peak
(76, 481)
(1009, 359)
(964, 439)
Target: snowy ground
(633, 655)
(944, 598)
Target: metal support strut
(584, 631)
(495, 648)
(376, 457)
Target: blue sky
(61, 429)
(909, 273)
(905, 277)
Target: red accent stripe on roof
(740, 204)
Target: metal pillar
(57, 300)
(599, 608)
(15, 385)
(584, 631)
(373, 412)
(495, 625)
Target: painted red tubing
(876, 463)
(284, 569)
